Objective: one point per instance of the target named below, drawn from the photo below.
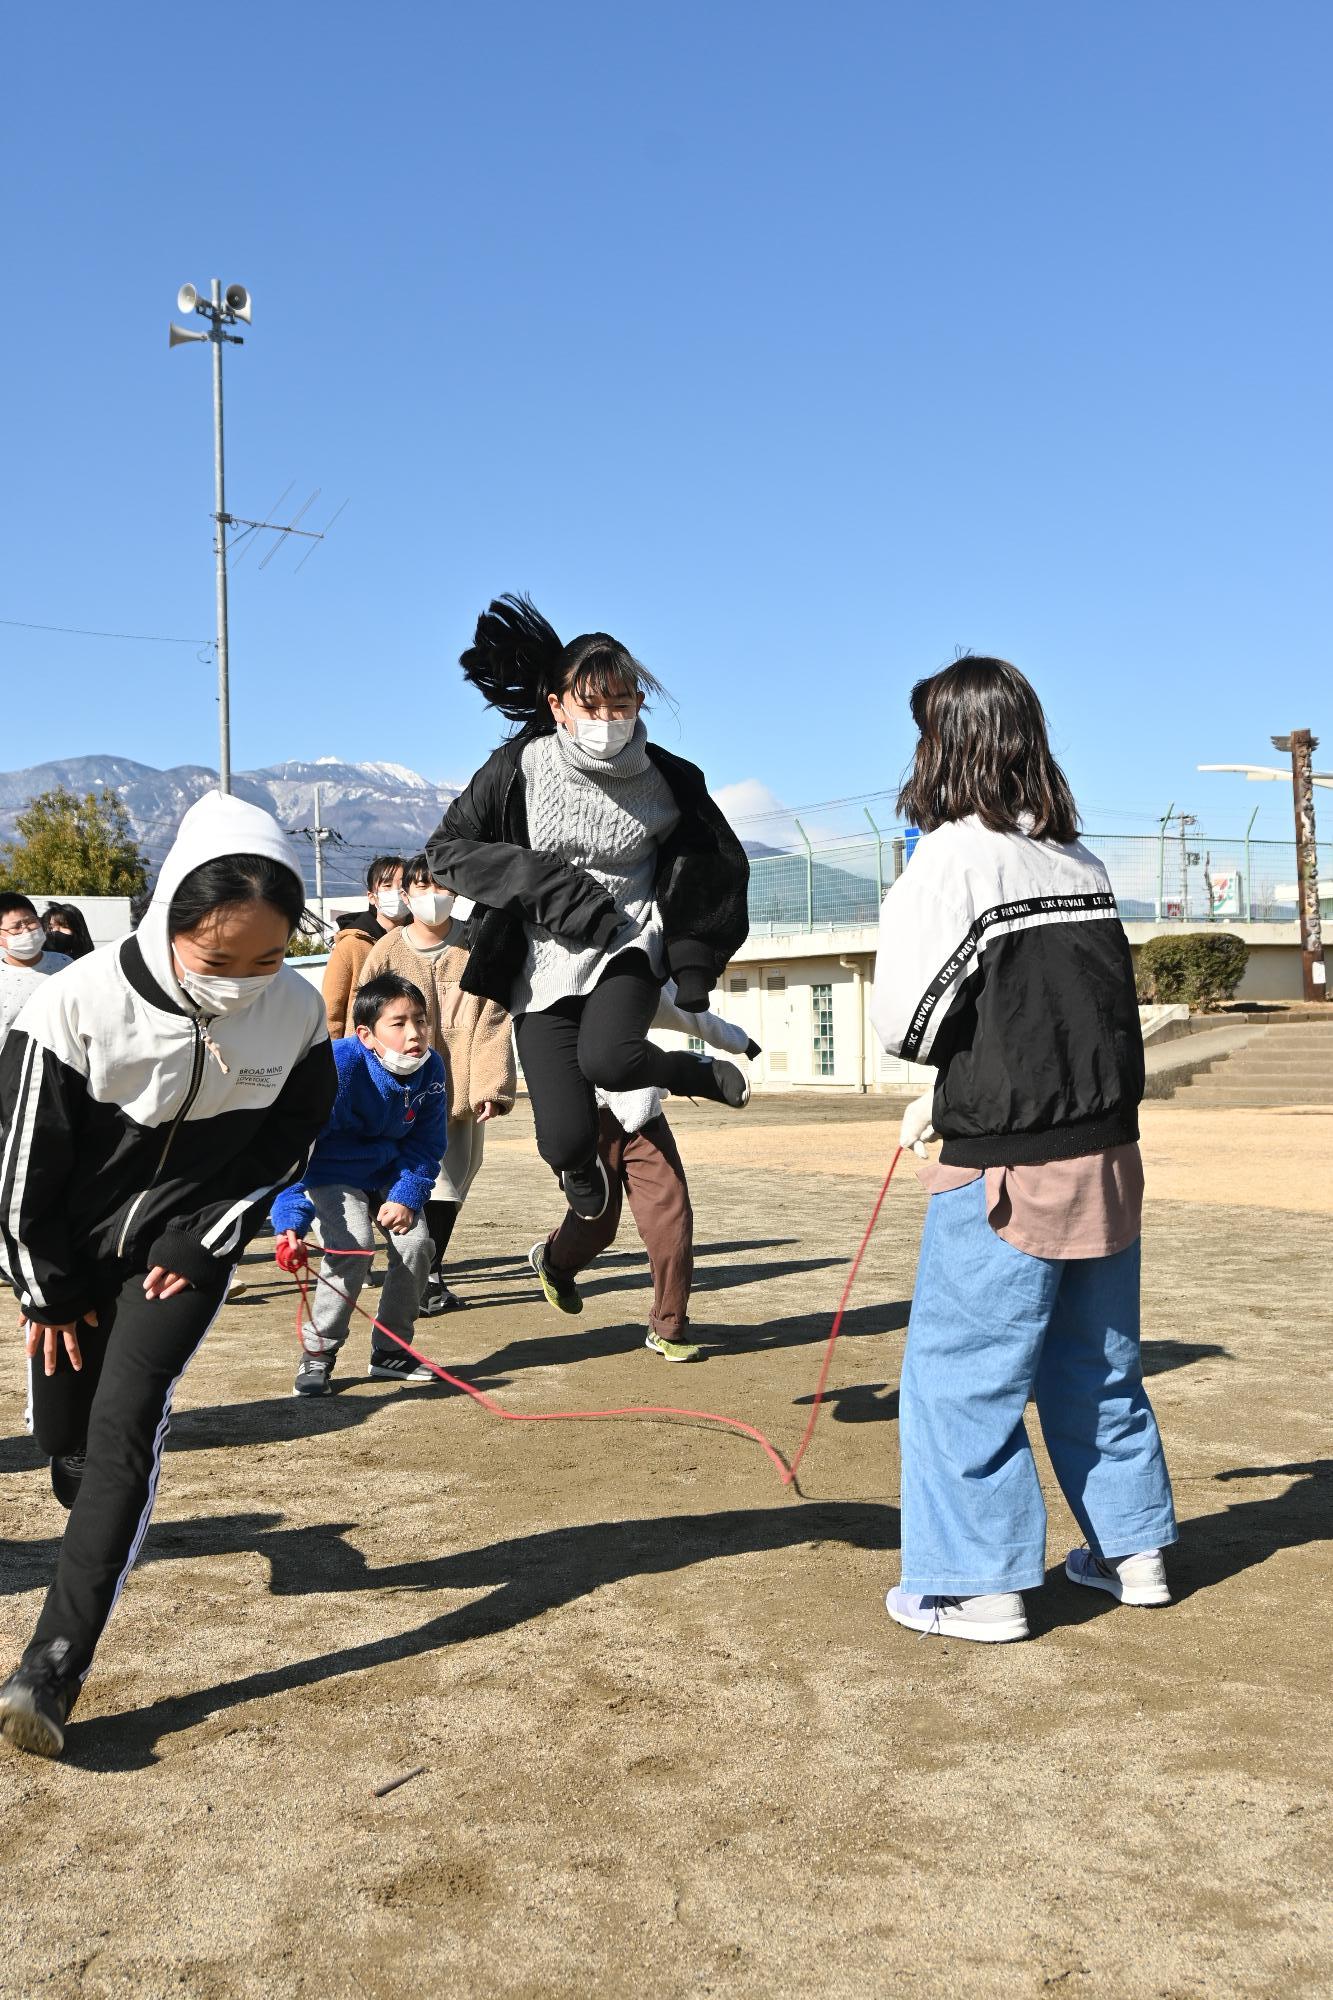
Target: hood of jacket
(217, 824)
(365, 922)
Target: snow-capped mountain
(372, 808)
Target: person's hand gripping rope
(916, 1127)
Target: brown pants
(644, 1166)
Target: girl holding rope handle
(1003, 964)
(153, 1100)
(603, 866)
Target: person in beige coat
(358, 931)
(473, 1035)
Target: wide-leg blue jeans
(992, 1327)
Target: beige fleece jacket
(473, 1035)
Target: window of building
(822, 998)
(775, 982)
(738, 984)
(696, 1045)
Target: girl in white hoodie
(153, 1100)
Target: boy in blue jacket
(374, 1163)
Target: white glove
(916, 1127)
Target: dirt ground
(671, 1743)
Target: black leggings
(600, 1038)
(117, 1407)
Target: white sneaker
(1139, 1579)
(992, 1618)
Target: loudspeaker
(187, 298)
(180, 334)
(237, 301)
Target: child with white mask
(25, 956)
(373, 1168)
(153, 1099)
(357, 932)
(471, 1035)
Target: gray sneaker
(1139, 1579)
(312, 1377)
(992, 1618)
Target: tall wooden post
(1302, 746)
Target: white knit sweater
(608, 817)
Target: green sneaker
(674, 1350)
(561, 1292)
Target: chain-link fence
(1197, 880)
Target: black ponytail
(516, 660)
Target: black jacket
(481, 849)
(1003, 964)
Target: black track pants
(601, 1039)
(118, 1406)
(440, 1219)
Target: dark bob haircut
(232, 879)
(382, 869)
(381, 992)
(516, 660)
(416, 869)
(984, 750)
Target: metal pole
(1303, 747)
(879, 857)
(1249, 901)
(220, 548)
(1161, 859)
(319, 855)
(809, 875)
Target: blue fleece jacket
(385, 1133)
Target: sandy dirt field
(672, 1744)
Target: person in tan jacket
(357, 932)
(473, 1035)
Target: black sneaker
(437, 1298)
(393, 1365)
(36, 1700)
(723, 1083)
(587, 1189)
(312, 1377)
(67, 1476)
(560, 1289)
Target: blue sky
(797, 346)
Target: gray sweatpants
(347, 1222)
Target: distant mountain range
(373, 808)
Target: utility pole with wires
(223, 309)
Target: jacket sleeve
(43, 1099)
(203, 1244)
(424, 1146)
(466, 851)
(706, 1027)
(493, 1074)
(922, 955)
(340, 982)
(703, 877)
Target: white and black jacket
(1002, 962)
(123, 1142)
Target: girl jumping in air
(153, 1100)
(1003, 965)
(604, 866)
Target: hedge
(1202, 968)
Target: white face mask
(212, 994)
(25, 944)
(399, 1064)
(432, 906)
(390, 903)
(605, 740)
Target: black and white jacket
(1002, 963)
(123, 1141)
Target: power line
(87, 632)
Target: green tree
(69, 846)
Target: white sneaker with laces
(992, 1618)
(1138, 1579)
